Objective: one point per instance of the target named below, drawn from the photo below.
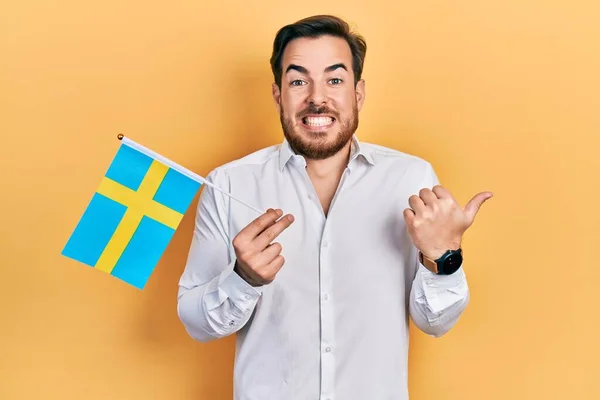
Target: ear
(276, 96)
(360, 93)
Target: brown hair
(316, 26)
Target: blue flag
(133, 214)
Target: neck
(330, 167)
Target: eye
(335, 81)
(297, 82)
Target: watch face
(452, 263)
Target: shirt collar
(356, 149)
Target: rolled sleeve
(241, 293)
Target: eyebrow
(303, 70)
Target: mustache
(312, 109)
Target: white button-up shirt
(334, 323)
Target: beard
(319, 148)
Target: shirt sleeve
(437, 301)
(213, 301)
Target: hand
(436, 222)
(259, 260)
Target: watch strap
(429, 263)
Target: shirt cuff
(442, 291)
(237, 289)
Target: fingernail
(290, 218)
(279, 213)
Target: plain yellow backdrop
(498, 95)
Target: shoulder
(396, 159)
(402, 167)
(256, 158)
(249, 162)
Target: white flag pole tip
(181, 169)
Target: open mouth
(318, 122)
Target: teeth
(318, 121)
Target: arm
(437, 223)
(213, 301)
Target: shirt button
(327, 349)
(231, 323)
(247, 297)
(325, 244)
(326, 296)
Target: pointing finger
(269, 234)
(252, 230)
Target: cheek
(290, 106)
(344, 101)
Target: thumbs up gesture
(436, 222)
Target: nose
(317, 95)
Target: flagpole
(179, 168)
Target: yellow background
(498, 95)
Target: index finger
(253, 229)
(269, 234)
(441, 192)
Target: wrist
(240, 271)
(435, 253)
(447, 264)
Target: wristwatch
(447, 264)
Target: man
(320, 288)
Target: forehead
(316, 54)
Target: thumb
(475, 204)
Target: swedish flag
(133, 214)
